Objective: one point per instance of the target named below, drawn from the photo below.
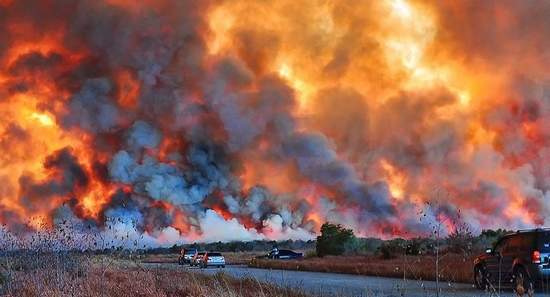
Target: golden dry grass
(453, 267)
(131, 282)
(79, 274)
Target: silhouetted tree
(333, 240)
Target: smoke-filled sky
(178, 121)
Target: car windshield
(544, 242)
(190, 252)
(214, 254)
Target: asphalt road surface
(345, 285)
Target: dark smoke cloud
(197, 118)
(142, 135)
(92, 109)
(248, 115)
(68, 176)
(35, 62)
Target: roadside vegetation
(335, 240)
(54, 263)
(454, 268)
(338, 250)
(55, 274)
(123, 280)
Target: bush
(370, 245)
(488, 238)
(391, 248)
(414, 247)
(334, 240)
(459, 242)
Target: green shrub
(370, 245)
(334, 240)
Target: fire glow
(267, 119)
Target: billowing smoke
(170, 121)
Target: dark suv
(519, 259)
(284, 255)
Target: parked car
(520, 259)
(186, 255)
(197, 259)
(213, 259)
(284, 254)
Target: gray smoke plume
(177, 160)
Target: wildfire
(42, 118)
(280, 114)
(94, 201)
(304, 90)
(397, 180)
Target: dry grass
(110, 276)
(119, 282)
(453, 267)
(160, 258)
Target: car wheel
(522, 282)
(223, 266)
(480, 277)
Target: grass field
(55, 275)
(453, 267)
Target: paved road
(345, 285)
